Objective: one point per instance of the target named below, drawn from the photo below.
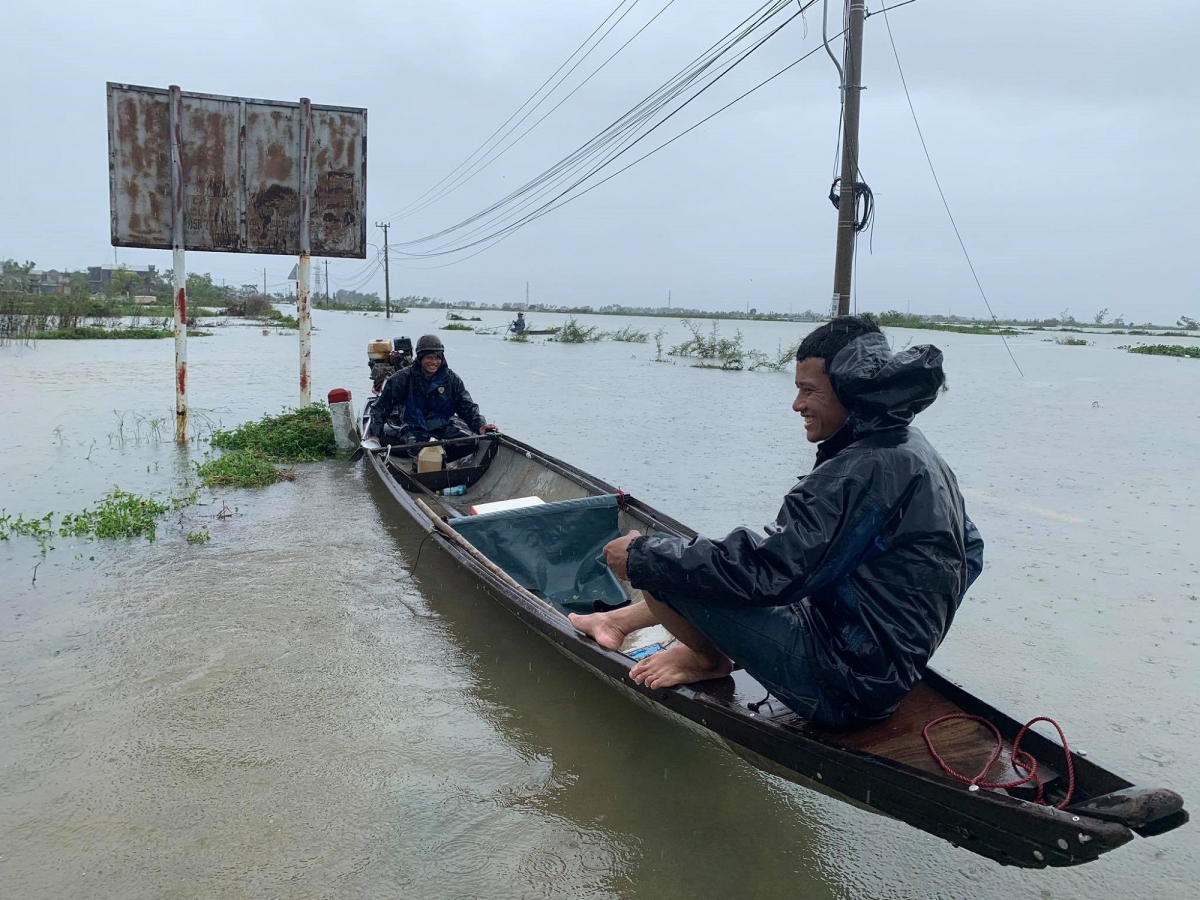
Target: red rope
(1020, 759)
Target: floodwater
(291, 711)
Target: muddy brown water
(290, 710)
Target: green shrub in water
(241, 468)
(1177, 350)
(574, 333)
(631, 335)
(117, 515)
(296, 435)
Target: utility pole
(843, 268)
(264, 282)
(527, 295)
(668, 299)
(387, 274)
(326, 281)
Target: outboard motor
(402, 352)
(385, 357)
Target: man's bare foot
(603, 630)
(679, 664)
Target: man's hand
(616, 555)
(486, 429)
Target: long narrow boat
(887, 768)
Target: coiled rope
(1020, 759)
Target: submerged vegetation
(118, 515)
(1177, 350)
(253, 451)
(457, 326)
(1072, 342)
(895, 319)
(631, 335)
(574, 333)
(712, 349)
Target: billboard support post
(179, 267)
(303, 310)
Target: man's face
(431, 362)
(815, 400)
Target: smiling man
(838, 609)
(430, 401)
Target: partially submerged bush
(631, 335)
(242, 468)
(253, 449)
(1177, 350)
(297, 435)
(574, 333)
(713, 350)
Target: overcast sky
(1065, 137)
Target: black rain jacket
(425, 401)
(873, 549)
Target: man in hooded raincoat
(838, 609)
(431, 402)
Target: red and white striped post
(303, 312)
(179, 269)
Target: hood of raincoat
(882, 389)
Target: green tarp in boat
(553, 550)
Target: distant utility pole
(527, 295)
(387, 273)
(264, 282)
(326, 281)
(668, 299)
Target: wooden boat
(886, 768)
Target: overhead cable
(409, 208)
(614, 141)
(496, 238)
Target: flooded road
(314, 705)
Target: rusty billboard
(258, 176)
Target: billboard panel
(242, 162)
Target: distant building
(50, 281)
(100, 277)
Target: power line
(405, 209)
(481, 164)
(626, 123)
(508, 232)
(619, 131)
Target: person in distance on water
(430, 401)
(838, 609)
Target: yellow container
(431, 459)
(379, 349)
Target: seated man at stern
(838, 609)
(427, 396)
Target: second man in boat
(838, 609)
(427, 401)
